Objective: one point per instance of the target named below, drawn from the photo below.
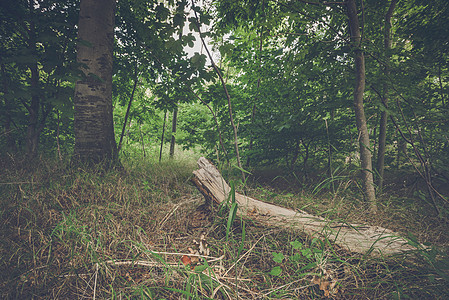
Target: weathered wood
(352, 237)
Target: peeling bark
(94, 131)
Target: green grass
(120, 234)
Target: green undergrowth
(72, 233)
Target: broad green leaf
(276, 271)
(296, 244)
(278, 257)
(231, 217)
(200, 268)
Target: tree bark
(32, 137)
(401, 152)
(10, 141)
(57, 136)
(359, 89)
(173, 132)
(180, 10)
(162, 137)
(94, 131)
(32, 140)
(373, 240)
(384, 115)
(128, 109)
(253, 112)
(143, 142)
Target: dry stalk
(95, 281)
(241, 257)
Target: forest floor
(133, 234)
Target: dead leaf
(186, 260)
(326, 283)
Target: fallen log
(373, 240)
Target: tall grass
(121, 234)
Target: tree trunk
(136, 79)
(401, 152)
(373, 240)
(359, 88)
(57, 136)
(173, 132)
(384, 114)
(253, 112)
(162, 138)
(143, 142)
(32, 137)
(10, 142)
(180, 10)
(94, 131)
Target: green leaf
(198, 60)
(200, 268)
(162, 12)
(226, 49)
(192, 24)
(296, 244)
(178, 20)
(295, 257)
(308, 267)
(242, 242)
(231, 218)
(205, 19)
(306, 252)
(242, 170)
(276, 271)
(278, 257)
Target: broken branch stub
(351, 237)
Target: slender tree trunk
(94, 130)
(295, 155)
(173, 132)
(175, 111)
(384, 114)
(136, 79)
(163, 135)
(32, 137)
(10, 142)
(251, 139)
(440, 81)
(402, 152)
(306, 155)
(57, 136)
(330, 173)
(143, 143)
(359, 88)
(253, 113)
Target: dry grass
(72, 234)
